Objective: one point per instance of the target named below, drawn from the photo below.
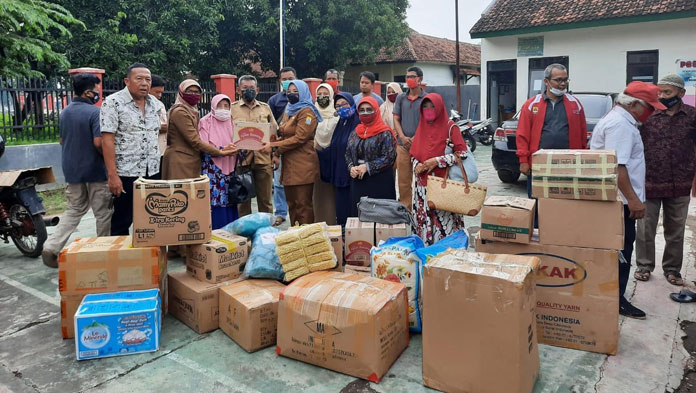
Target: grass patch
(54, 201)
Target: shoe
(50, 258)
(628, 310)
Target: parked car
(504, 156)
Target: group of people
(326, 151)
(654, 134)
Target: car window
(595, 106)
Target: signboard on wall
(686, 68)
(530, 46)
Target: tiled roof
(505, 15)
(424, 48)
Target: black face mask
(670, 102)
(293, 98)
(323, 101)
(249, 94)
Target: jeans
(629, 239)
(281, 205)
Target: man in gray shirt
(406, 119)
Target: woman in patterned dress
(428, 158)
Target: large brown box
(360, 238)
(221, 259)
(591, 224)
(194, 302)
(575, 174)
(171, 212)
(348, 323)
(249, 312)
(509, 219)
(386, 231)
(478, 323)
(577, 294)
(106, 264)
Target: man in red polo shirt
(551, 120)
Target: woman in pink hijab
(217, 129)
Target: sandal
(674, 278)
(685, 296)
(642, 274)
(278, 221)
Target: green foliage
(26, 29)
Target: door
(501, 90)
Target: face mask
(412, 83)
(429, 114)
(333, 84)
(191, 99)
(285, 85)
(392, 97)
(249, 94)
(346, 112)
(367, 118)
(323, 101)
(670, 102)
(95, 97)
(222, 114)
(293, 98)
(558, 92)
(647, 111)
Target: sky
(436, 17)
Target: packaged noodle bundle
(305, 249)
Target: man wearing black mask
(248, 108)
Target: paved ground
(34, 358)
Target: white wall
(434, 74)
(597, 56)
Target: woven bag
(454, 196)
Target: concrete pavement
(34, 358)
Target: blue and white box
(118, 323)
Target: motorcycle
(22, 214)
(465, 128)
(484, 130)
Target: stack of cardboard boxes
(581, 230)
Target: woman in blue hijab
(332, 159)
(295, 146)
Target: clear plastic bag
(248, 225)
(263, 260)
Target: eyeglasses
(366, 112)
(344, 105)
(561, 80)
(411, 76)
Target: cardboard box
(508, 219)
(478, 317)
(194, 302)
(249, 312)
(360, 237)
(171, 212)
(359, 270)
(577, 294)
(344, 322)
(251, 135)
(221, 259)
(385, 231)
(592, 224)
(575, 174)
(68, 307)
(336, 237)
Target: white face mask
(222, 114)
(558, 92)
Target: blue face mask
(285, 84)
(346, 112)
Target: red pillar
(226, 84)
(313, 83)
(98, 72)
(377, 88)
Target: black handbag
(383, 211)
(240, 186)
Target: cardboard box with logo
(106, 264)
(171, 212)
(344, 322)
(336, 237)
(194, 302)
(592, 224)
(508, 219)
(221, 259)
(251, 135)
(575, 174)
(577, 294)
(385, 231)
(478, 317)
(249, 312)
(360, 237)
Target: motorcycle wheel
(470, 143)
(30, 238)
(486, 138)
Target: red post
(377, 88)
(313, 83)
(226, 84)
(98, 72)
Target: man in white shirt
(618, 131)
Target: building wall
(434, 74)
(597, 56)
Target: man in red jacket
(551, 120)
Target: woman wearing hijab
(333, 159)
(428, 158)
(370, 156)
(216, 128)
(300, 165)
(387, 109)
(182, 158)
(324, 206)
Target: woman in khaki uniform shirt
(296, 149)
(182, 158)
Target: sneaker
(50, 258)
(628, 310)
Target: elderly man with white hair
(668, 137)
(618, 130)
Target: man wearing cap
(670, 164)
(618, 130)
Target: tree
(26, 28)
